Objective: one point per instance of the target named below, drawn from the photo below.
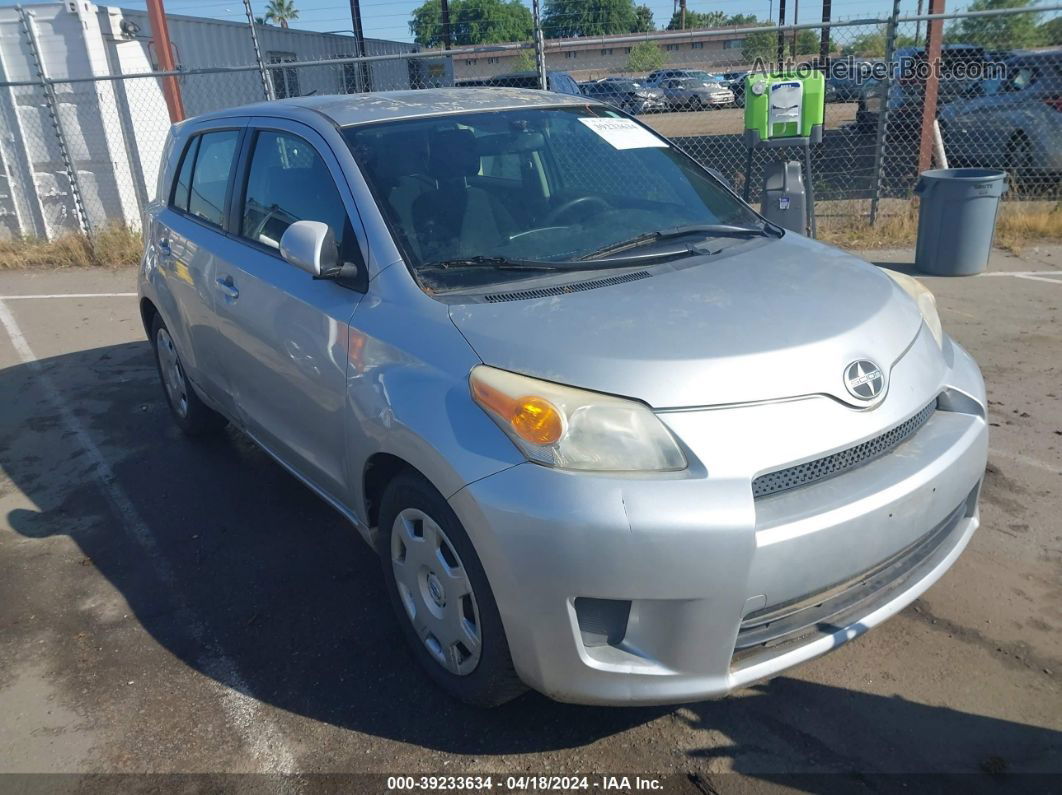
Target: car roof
(347, 109)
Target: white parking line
(259, 733)
(1036, 276)
(66, 295)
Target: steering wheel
(557, 212)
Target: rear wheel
(193, 416)
(441, 596)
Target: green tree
(643, 20)
(872, 45)
(1051, 32)
(1012, 31)
(281, 12)
(471, 22)
(697, 20)
(525, 61)
(763, 45)
(645, 56)
(749, 20)
(569, 18)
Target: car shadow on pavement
(271, 575)
(222, 537)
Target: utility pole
(934, 29)
(160, 33)
(824, 39)
(362, 72)
(796, 15)
(781, 34)
(682, 14)
(444, 7)
(918, 24)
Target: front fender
(408, 394)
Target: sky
(387, 19)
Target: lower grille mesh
(821, 468)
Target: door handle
(228, 288)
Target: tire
(191, 414)
(425, 586)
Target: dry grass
(112, 246)
(1018, 225)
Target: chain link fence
(85, 149)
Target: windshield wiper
(705, 230)
(506, 263)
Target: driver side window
(289, 181)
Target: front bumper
(644, 589)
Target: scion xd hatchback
(614, 436)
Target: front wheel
(441, 596)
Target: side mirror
(311, 246)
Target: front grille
(777, 629)
(577, 287)
(835, 464)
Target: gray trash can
(957, 219)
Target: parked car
(613, 435)
(660, 75)
(906, 95)
(735, 81)
(1016, 126)
(690, 93)
(628, 95)
(558, 82)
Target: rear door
(184, 238)
(284, 334)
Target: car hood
(772, 319)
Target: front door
(283, 334)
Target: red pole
(171, 89)
(934, 31)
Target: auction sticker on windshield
(623, 133)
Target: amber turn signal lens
(537, 421)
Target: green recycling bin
(957, 219)
(785, 104)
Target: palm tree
(280, 11)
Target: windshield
(544, 184)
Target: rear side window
(210, 178)
(288, 181)
(184, 176)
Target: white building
(113, 130)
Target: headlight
(568, 428)
(927, 304)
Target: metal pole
(811, 187)
(267, 84)
(918, 24)
(682, 14)
(160, 33)
(824, 38)
(929, 108)
(52, 103)
(883, 113)
(363, 80)
(540, 45)
(796, 15)
(781, 34)
(444, 9)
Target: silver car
(689, 93)
(1016, 126)
(613, 436)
